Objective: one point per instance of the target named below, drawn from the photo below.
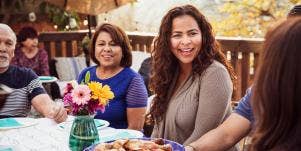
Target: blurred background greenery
(239, 18)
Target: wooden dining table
(44, 134)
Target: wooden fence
(242, 52)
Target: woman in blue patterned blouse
(111, 51)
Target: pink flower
(81, 95)
(87, 98)
(68, 88)
(67, 99)
(102, 108)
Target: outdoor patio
(65, 29)
(241, 52)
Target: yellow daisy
(101, 93)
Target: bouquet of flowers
(87, 97)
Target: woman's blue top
(129, 91)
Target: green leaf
(87, 77)
(82, 82)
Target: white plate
(47, 79)
(119, 134)
(108, 131)
(133, 133)
(67, 125)
(25, 122)
(104, 123)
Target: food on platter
(134, 145)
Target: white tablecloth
(46, 135)
(43, 136)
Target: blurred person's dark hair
(27, 32)
(276, 99)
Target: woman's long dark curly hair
(164, 63)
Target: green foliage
(86, 42)
(9, 9)
(61, 18)
(87, 77)
(250, 18)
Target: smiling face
(7, 47)
(186, 39)
(30, 43)
(107, 52)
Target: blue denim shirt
(244, 107)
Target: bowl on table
(174, 145)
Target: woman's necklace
(104, 73)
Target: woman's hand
(189, 148)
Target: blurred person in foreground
(238, 124)
(111, 51)
(276, 99)
(190, 77)
(27, 89)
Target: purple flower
(68, 88)
(67, 99)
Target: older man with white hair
(27, 89)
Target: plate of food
(11, 123)
(145, 144)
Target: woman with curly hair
(190, 77)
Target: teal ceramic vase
(83, 133)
